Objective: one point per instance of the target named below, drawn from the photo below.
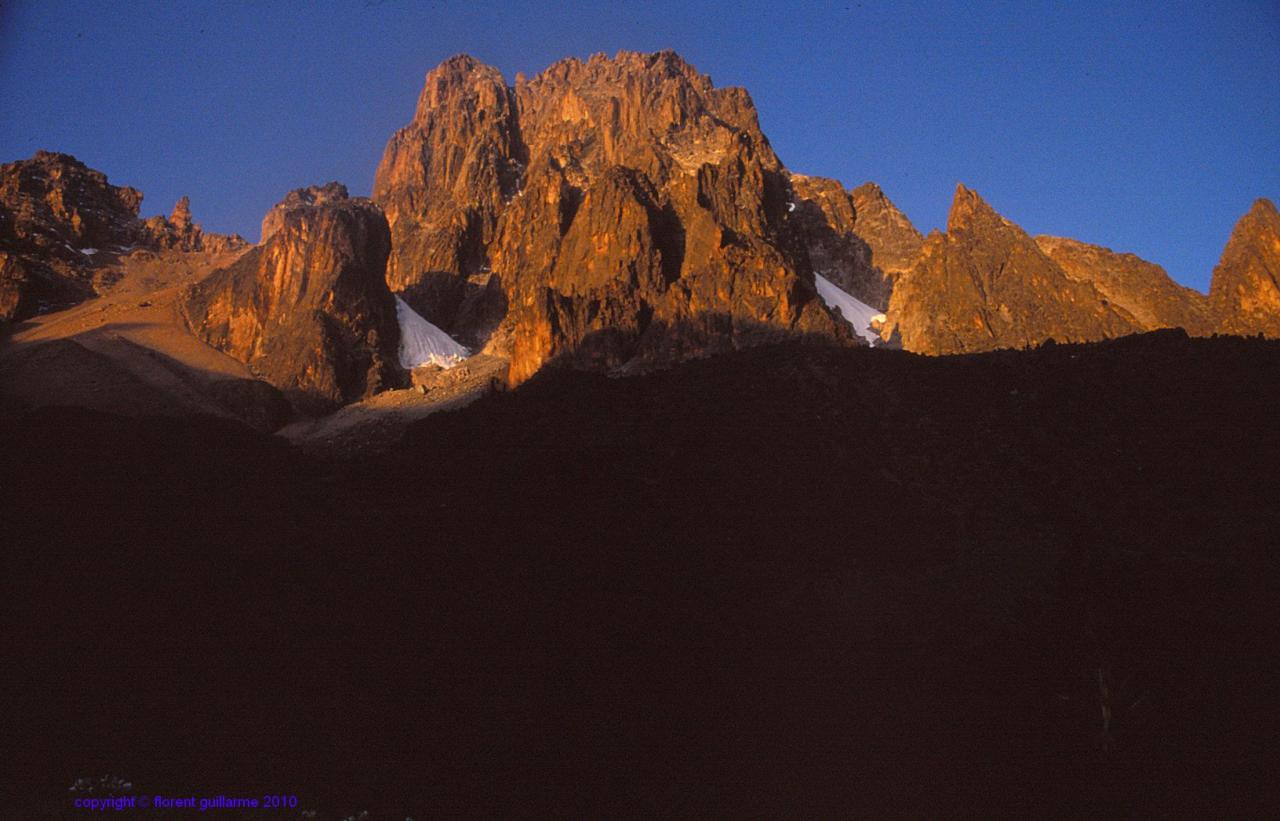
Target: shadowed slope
(793, 579)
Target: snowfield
(422, 343)
(857, 313)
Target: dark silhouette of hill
(788, 580)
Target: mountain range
(598, 464)
(611, 214)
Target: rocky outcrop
(1245, 289)
(309, 309)
(858, 239)
(299, 197)
(603, 211)
(442, 182)
(179, 232)
(894, 241)
(55, 213)
(985, 284)
(56, 197)
(1141, 290)
(61, 220)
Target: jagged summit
(1245, 289)
(970, 212)
(601, 211)
(985, 284)
(61, 221)
(624, 207)
(181, 214)
(894, 241)
(827, 218)
(1263, 208)
(617, 211)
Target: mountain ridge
(624, 213)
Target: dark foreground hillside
(789, 581)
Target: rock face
(59, 218)
(309, 309)
(312, 195)
(614, 209)
(825, 213)
(1245, 289)
(894, 241)
(985, 284)
(54, 212)
(1141, 290)
(858, 239)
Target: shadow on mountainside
(106, 371)
(788, 580)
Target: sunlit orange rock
(1141, 290)
(1245, 289)
(985, 284)
(604, 211)
(309, 310)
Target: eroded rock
(1245, 289)
(309, 309)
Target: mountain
(803, 577)
(604, 211)
(61, 222)
(826, 216)
(986, 284)
(857, 241)
(1142, 290)
(613, 214)
(309, 309)
(1245, 289)
(894, 241)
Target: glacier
(856, 312)
(422, 343)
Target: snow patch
(88, 252)
(857, 313)
(791, 206)
(422, 343)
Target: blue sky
(1145, 127)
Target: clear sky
(1144, 126)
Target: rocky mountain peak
(460, 80)
(895, 243)
(180, 218)
(309, 309)
(985, 284)
(308, 197)
(1245, 289)
(1263, 209)
(827, 218)
(61, 221)
(1141, 289)
(54, 194)
(971, 213)
(605, 209)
